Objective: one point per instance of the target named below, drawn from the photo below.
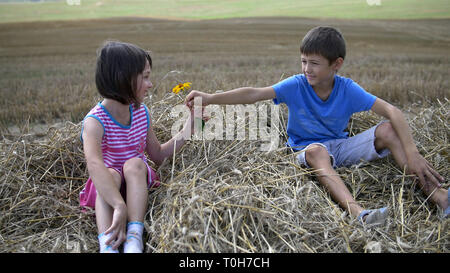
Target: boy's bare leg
(319, 159)
(386, 138)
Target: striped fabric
(119, 143)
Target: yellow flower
(187, 85)
(177, 88)
(181, 86)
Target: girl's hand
(118, 227)
(190, 122)
(205, 98)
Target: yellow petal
(176, 89)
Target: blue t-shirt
(313, 120)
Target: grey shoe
(374, 216)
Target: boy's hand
(428, 177)
(194, 93)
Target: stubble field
(217, 196)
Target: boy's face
(318, 70)
(143, 83)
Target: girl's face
(143, 83)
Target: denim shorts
(349, 151)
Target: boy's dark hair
(325, 41)
(118, 65)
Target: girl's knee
(134, 166)
(117, 179)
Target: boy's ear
(338, 63)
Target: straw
(224, 196)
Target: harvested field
(218, 196)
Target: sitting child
(116, 133)
(320, 104)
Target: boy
(320, 105)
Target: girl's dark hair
(325, 41)
(118, 65)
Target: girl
(115, 135)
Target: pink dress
(120, 143)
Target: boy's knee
(385, 135)
(316, 154)
(134, 166)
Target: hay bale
(223, 196)
(40, 182)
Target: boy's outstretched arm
(415, 162)
(243, 95)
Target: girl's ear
(338, 63)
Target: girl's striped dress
(120, 143)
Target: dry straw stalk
(224, 196)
